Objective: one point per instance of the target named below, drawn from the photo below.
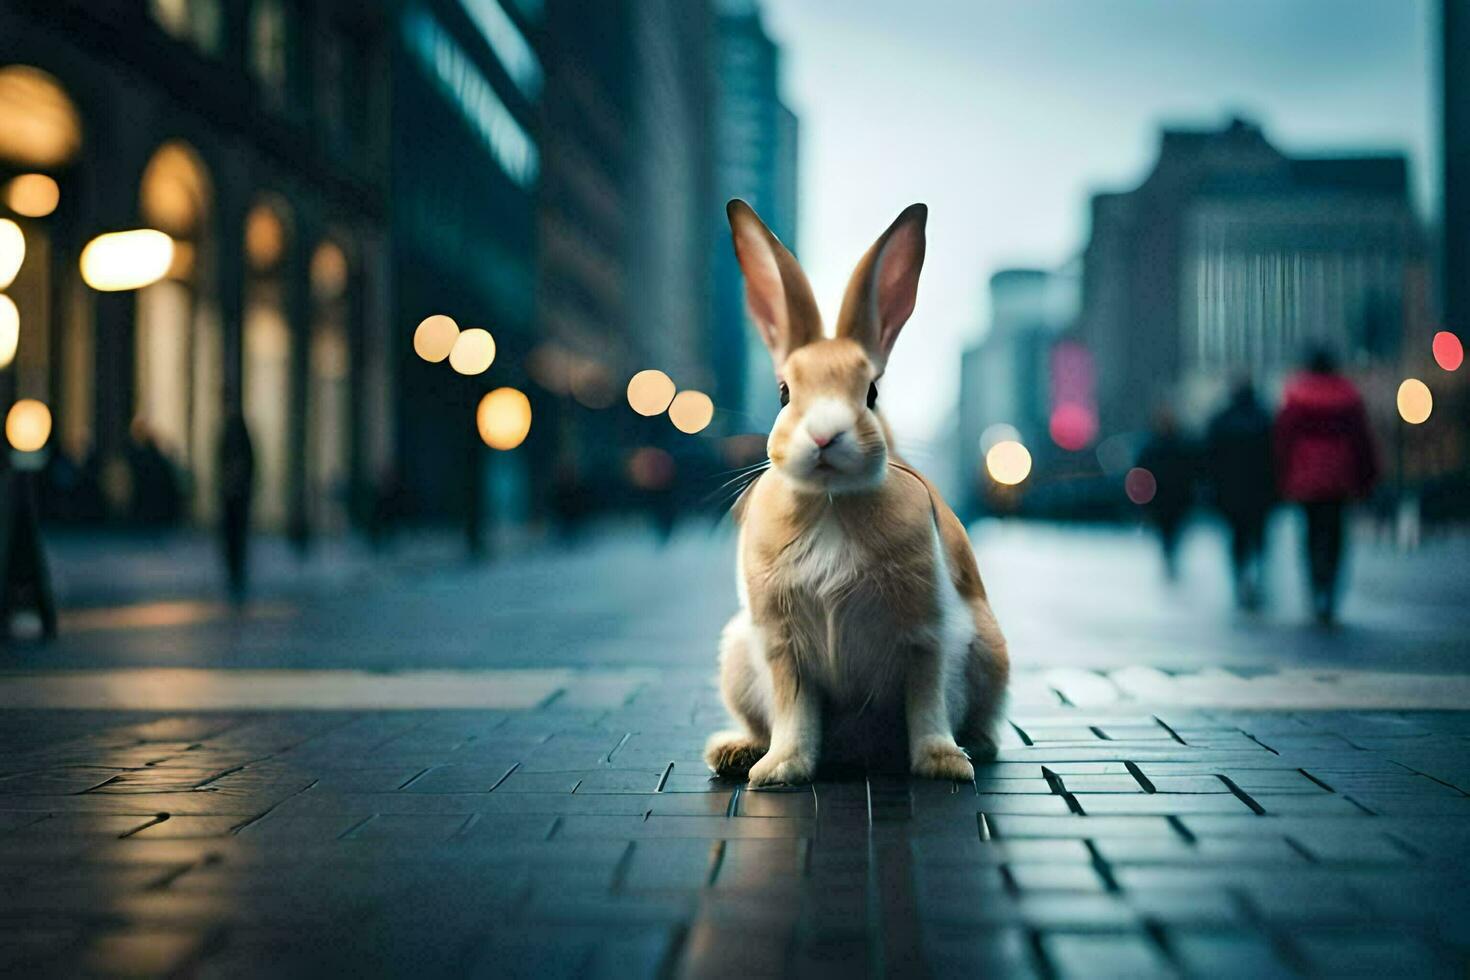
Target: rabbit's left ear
(884, 286)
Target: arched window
(329, 397)
(179, 357)
(267, 355)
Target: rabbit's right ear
(776, 290)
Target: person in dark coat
(1170, 458)
(1325, 458)
(1242, 474)
(236, 486)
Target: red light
(1449, 353)
(1073, 426)
(1140, 485)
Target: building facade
(1231, 258)
(255, 135)
(758, 141)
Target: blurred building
(1005, 380)
(624, 210)
(757, 161)
(256, 135)
(1231, 257)
(1455, 144)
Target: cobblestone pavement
(577, 839)
(356, 802)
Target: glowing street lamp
(32, 195)
(9, 330)
(434, 338)
(473, 351)
(650, 392)
(1415, 401)
(123, 260)
(504, 418)
(691, 411)
(1449, 353)
(12, 251)
(1008, 462)
(28, 425)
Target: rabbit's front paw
(789, 768)
(940, 758)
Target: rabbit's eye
(785, 394)
(872, 394)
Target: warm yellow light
(691, 411)
(265, 237)
(28, 425)
(9, 330)
(434, 337)
(504, 418)
(1415, 401)
(649, 392)
(1009, 462)
(127, 259)
(328, 271)
(42, 128)
(473, 351)
(12, 251)
(33, 195)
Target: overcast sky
(1004, 115)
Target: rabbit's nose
(823, 441)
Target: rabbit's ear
(881, 295)
(776, 290)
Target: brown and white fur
(860, 597)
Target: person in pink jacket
(1325, 458)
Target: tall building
(757, 161)
(624, 207)
(1005, 380)
(1455, 143)
(256, 136)
(1231, 257)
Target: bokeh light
(691, 411)
(127, 259)
(42, 127)
(328, 270)
(504, 418)
(1449, 353)
(473, 351)
(550, 367)
(12, 251)
(33, 195)
(1008, 462)
(744, 449)
(651, 468)
(1414, 401)
(1115, 454)
(9, 330)
(1140, 485)
(434, 337)
(1073, 426)
(996, 434)
(650, 392)
(265, 237)
(28, 425)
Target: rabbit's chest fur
(855, 600)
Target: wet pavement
(496, 771)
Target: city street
(411, 764)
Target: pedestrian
(236, 485)
(1325, 458)
(1170, 460)
(1242, 477)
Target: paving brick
(1105, 955)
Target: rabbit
(860, 597)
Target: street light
(33, 195)
(1008, 462)
(12, 251)
(1414, 401)
(650, 392)
(123, 260)
(473, 351)
(434, 337)
(504, 418)
(9, 330)
(28, 425)
(691, 411)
